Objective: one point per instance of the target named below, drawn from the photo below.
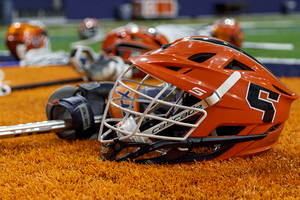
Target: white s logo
(197, 91)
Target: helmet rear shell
(258, 103)
(132, 41)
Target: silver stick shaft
(39, 128)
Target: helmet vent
(229, 130)
(236, 65)
(166, 46)
(136, 38)
(187, 71)
(281, 91)
(158, 42)
(201, 57)
(174, 68)
(274, 128)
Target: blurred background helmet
(228, 29)
(22, 37)
(89, 27)
(132, 40)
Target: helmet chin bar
(121, 136)
(175, 154)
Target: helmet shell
(30, 36)
(132, 40)
(228, 29)
(89, 27)
(258, 103)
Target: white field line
(265, 60)
(284, 61)
(266, 45)
(5, 53)
(268, 24)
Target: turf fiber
(46, 167)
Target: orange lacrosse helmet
(89, 27)
(214, 101)
(228, 29)
(22, 37)
(131, 41)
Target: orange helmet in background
(89, 27)
(22, 37)
(229, 30)
(132, 40)
(214, 102)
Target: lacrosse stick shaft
(39, 128)
(40, 84)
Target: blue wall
(32, 4)
(284, 70)
(207, 7)
(79, 9)
(76, 9)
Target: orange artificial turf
(46, 167)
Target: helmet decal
(266, 104)
(122, 102)
(197, 91)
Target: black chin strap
(179, 152)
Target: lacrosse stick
(49, 83)
(43, 127)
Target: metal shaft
(39, 128)
(48, 83)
